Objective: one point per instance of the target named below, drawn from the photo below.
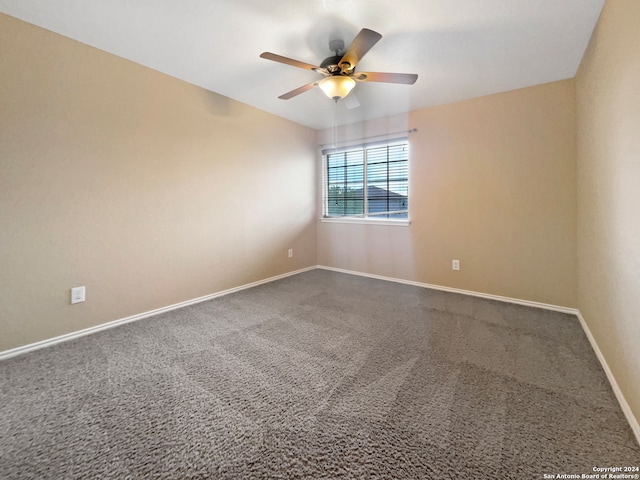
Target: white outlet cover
(78, 294)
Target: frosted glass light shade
(337, 86)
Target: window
(368, 181)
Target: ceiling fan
(339, 69)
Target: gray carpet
(317, 376)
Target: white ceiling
(459, 48)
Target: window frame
(365, 217)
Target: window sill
(367, 221)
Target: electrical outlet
(78, 294)
(455, 264)
(290, 252)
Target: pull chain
(334, 127)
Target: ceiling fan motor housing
(330, 64)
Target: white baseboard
(626, 409)
(528, 303)
(87, 331)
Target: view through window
(370, 181)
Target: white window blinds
(368, 181)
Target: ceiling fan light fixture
(337, 86)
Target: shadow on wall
(216, 104)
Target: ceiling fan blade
(351, 101)
(298, 91)
(405, 78)
(358, 48)
(288, 61)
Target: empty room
(320, 240)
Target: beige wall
(144, 188)
(493, 184)
(608, 126)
